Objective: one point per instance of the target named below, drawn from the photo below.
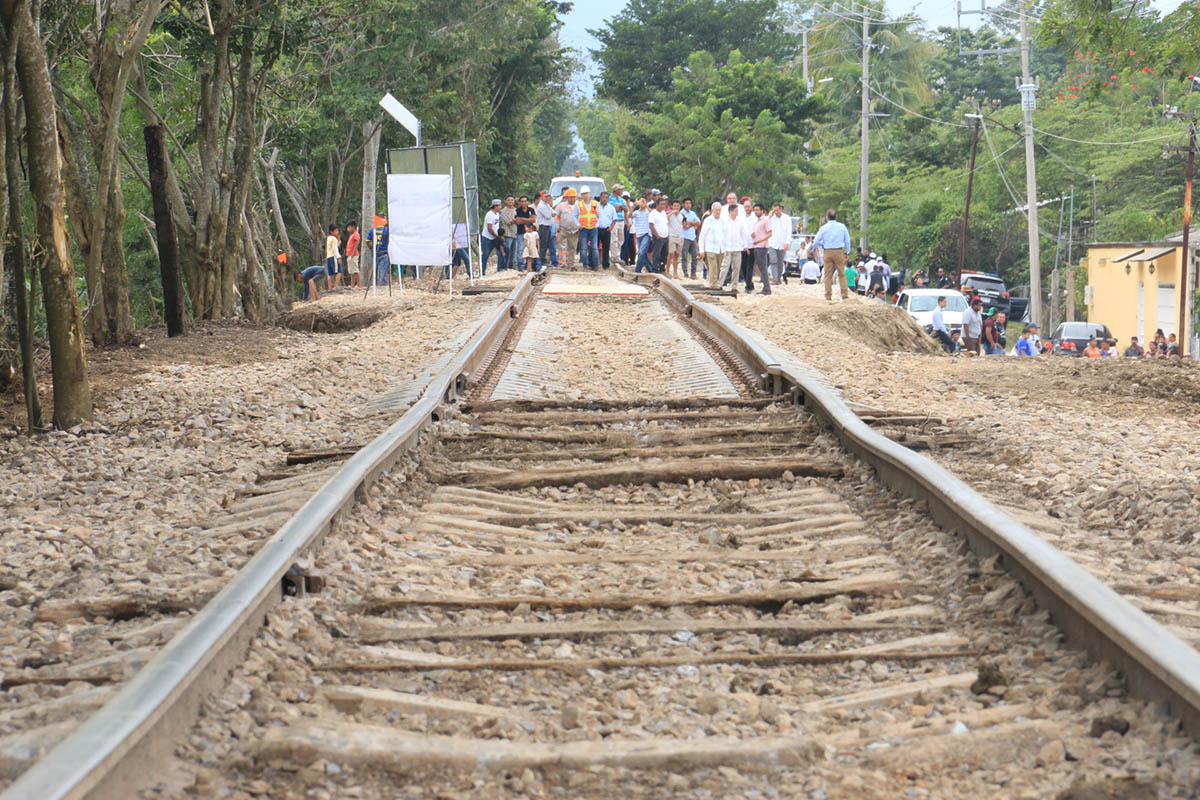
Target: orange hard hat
(569, 192)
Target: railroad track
(691, 589)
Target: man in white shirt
(659, 235)
(490, 238)
(712, 243)
(731, 263)
(781, 240)
(691, 230)
(810, 273)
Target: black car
(1071, 338)
(990, 289)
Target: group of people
(732, 240)
(329, 274)
(1161, 347)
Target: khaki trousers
(835, 264)
(617, 238)
(713, 262)
(731, 264)
(568, 243)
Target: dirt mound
(315, 318)
(882, 328)
(1152, 378)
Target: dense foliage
(1106, 80)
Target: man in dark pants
(544, 214)
(658, 235)
(605, 215)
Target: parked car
(990, 287)
(791, 262)
(1071, 338)
(920, 303)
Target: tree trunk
(372, 131)
(72, 393)
(285, 242)
(164, 225)
(110, 68)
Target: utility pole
(804, 59)
(865, 159)
(1187, 279)
(962, 245)
(1028, 91)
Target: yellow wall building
(1133, 288)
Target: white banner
(419, 209)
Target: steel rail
(110, 754)
(1157, 665)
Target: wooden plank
(646, 662)
(384, 747)
(496, 499)
(870, 583)
(634, 516)
(612, 453)
(523, 419)
(488, 406)
(801, 525)
(792, 629)
(356, 699)
(116, 608)
(1161, 591)
(665, 556)
(886, 695)
(308, 456)
(982, 719)
(492, 539)
(664, 472)
(628, 438)
(945, 641)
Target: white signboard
(402, 115)
(419, 225)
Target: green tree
(641, 47)
(741, 126)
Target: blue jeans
(382, 264)
(510, 244)
(589, 247)
(553, 254)
(462, 255)
(487, 247)
(643, 253)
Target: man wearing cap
(545, 226)
(834, 240)
(1034, 338)
(587, 212)
(640, 214)
(490, 238)
(994, 333)
(972, 325)
(567, 216)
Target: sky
(585, 15)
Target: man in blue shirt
(691, 224)
(309, 279)
(617, 230)
(834, 240)
(940, 331)
(379, 238)
(1024, 345)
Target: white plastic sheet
(419, 219)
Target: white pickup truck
(576, 182)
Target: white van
(920, 303)
(577, 182)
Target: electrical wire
(1107, 144)
(858, 16)
(882, 96)
(1011, 193)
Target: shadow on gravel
(320, 319)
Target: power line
(1105, 144)
(918, 114)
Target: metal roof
(1153, 254)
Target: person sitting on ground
(1106, 349)
(1172, 345)
(940, 331)
(1093, 349)
(1034, 339)
(1134, 350)
(956, 340)
(995, 333)
(810, 273)
(1024, 345)
(880, 294)
(309, 280)
(875, 278)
